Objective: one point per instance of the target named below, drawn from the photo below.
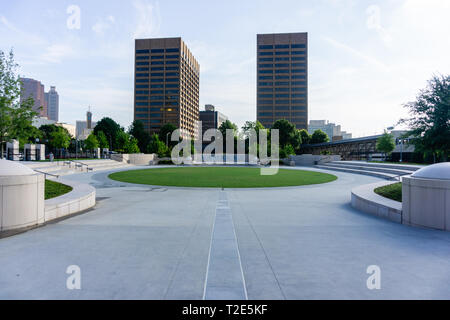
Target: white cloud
(56, 52)
(148, 19)
(102, 25)
(367, 58)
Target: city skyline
(360, 53)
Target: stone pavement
(143, 242)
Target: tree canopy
(385, 143)
(111, 129)
(138, 131)
(319, 136)
(15, 117)
(430, 118)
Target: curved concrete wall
(426, 203)
(81, 198)
(366, 200)
(21, 201)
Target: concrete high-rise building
(282, 76)
(34, 89)
(332, 130)
(211, 119)
(166, 85)
(52, 101)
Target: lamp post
(167, 139)
(401, 150)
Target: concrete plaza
(143, 242)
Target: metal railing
(78, 164)
(46, 173)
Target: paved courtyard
(143, 242)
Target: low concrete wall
(310, 159)
(366, 200)
(426, 203)
(81, 198)
(21, 201)
(138, 159)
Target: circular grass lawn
(221, 177)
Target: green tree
(157, 146)
(286, 151)
(49, 131)
(288, 134)
(91, 142)
(137, 131)
(102, 140)
(319, 136)
(165, 134)
(14, 116)
(430, 118)
(385, 144)
(132, 146)
(306, 137)
(249, 125)
(227, 125)
(111, 129)
(60, 140)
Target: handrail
(47, 174)
(78, 164)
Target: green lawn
(221, 177)
(392, 191)
(54, 189)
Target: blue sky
(366, 58)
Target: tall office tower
(34, 89)
(52, 100)
(282, 90)
(166, 85)
(89, 119)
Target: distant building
(211, 119)
(40, 121)
(85, 128)
(332, 130)
(52, 101)
(69, 127)
(282, 78)
(166, 85)
(34, 89)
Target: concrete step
(370, 168)
(383, 175)
(379, 165)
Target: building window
(282, 95)
(282, 65)
(142, 63)
(156, 98)
(296, 76)
(141, 98)
(173, 50)
(141, 104)
(142, 80)
(282, 71)
(141, 86)
(298, 83)
(267, 65)
(141, 109)
(156, 86)
(142, 58)
(282, 89)
(265, 114)
(266, 53)
(265, 96)
(299, 95)
(282, 46)
(266, 84)
(141, 69)
(157, 57)
(157, 80)
(282, 53)
(143, 51)
(172, 68)
(157, 63)
(282, 59)
(281, 101)
(299, 89)
(282, 114)
(298, 58)
(298, 52)
(265, 89)
(266, 46)
(142, 92)
(297, 46)
(265, 77)
(265, 59)
(157, 50)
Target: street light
(167, 139)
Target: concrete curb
(366, 200)
(81, 198)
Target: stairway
(61, 168)
(381, 170)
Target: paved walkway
(177, 243)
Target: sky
(366, 58)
